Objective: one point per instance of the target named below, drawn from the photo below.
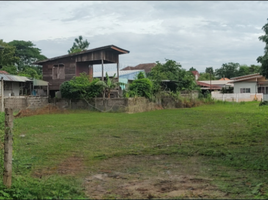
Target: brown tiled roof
(128, 68)
(147, 67)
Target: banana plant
(109, 84)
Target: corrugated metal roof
(14, 78)
(129, 73)
(218, 82)
(37, 82)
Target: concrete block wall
(22, 102)
(36, 102)
(16, 103)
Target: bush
(80, 87)
(140, 87)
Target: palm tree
(109, 84)
(79, 45)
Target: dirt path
(149, 177)
(140, 177)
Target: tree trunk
(8, 147)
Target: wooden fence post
(8, 147)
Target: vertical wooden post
(102, 70)
(8, 147)
(102, 78)
(117, 68)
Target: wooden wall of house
(75, 65)
(107, 56)
(69, 69)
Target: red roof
(195, 73)
(208, 85)
(3, 72)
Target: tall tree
(243, 70)
(171, 70)
(228, 70)
(7, 56)
(254, 69)
(192, 69)
(206, 77)
(209, 70)
(27, 52)
(79, 45)
(264, 59)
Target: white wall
(251, 85)
(15, 89)
(237, 97)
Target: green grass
(230, 138)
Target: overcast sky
(198, 34)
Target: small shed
(40, 88)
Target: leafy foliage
(228, 70)
(140, 75)
(209, 70)
(109, 84)
(206, 76)
(26, 52)
(141, 87)
(264, 59)
(192, 69)
(18, 57)
(80, 87)
(171, 70)
(79, 45)
(7, 55)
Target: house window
(263, 90)
(58, 71)
(7, 85)
(244, 90)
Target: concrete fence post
(8, 142)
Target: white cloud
(198, 34)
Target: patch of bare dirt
(70, 166)
(147, 177)
(48, 109)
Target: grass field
(212, 151)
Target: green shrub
(80, 87)
(140, 87)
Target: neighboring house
(214, 85)
(253, 83)
(126, 76)
(246, 88)
(63, 68)
(147, 67)
(21, 86)
(15, 85)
